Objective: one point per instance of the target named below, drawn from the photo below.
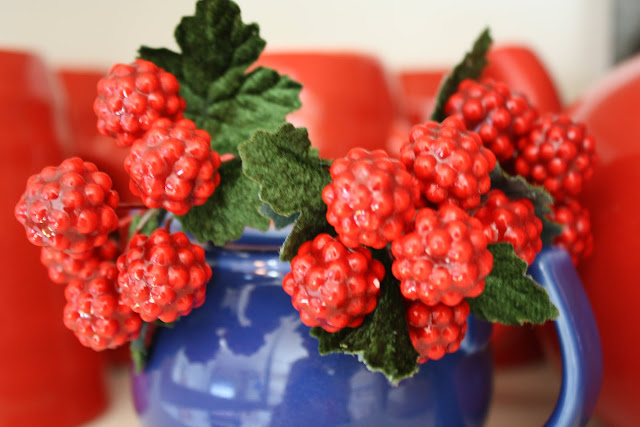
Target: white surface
(571, 36)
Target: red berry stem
(131, 206)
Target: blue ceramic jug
(245, 359)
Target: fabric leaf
(470, 67)
(291, 179)
(382, 341)
(233, 206)
(516, 187)
(217, 48)
(510, 296)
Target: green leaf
(291, 178)
(382, 341)
(309, 224)
(510, 296)
(261, 102)
(470, 67)
(221, 97)
(232, 207)
(279, 221)
(516, 187)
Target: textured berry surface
(511, 221)
(436, 330)
(62, 267)
(69, 208)
(371, 198)
(173, 166)
(445, 259)
(498, 115)
(576, 236)
(558, 154)
(450, 163)
(332, 286)
(163, 276)
(94, 312)
(131, 97)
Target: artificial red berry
(449, 162)
(497, 114)
(94, 312)
(173, 166)
(332, 286)
(576, 236)
(62, 267)
(131, 97)
(558, 154)
(511, 221)
(371, 198)
(436, 330)
(163, 276)
(445, 259)
(69, 208)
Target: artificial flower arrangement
(388, 255)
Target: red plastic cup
(610, 275)
(524, 72)
(347, 98)
(49, 378)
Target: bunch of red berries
(550, 151)
(417, 206)
(70, 211)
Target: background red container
(347, 98)
(48, 378)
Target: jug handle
(578, 335)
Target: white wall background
(573, 37)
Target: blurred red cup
(347, 98)
(524, 72)
(610, 275)
(49, 378)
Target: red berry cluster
(163, 276)
(511, 221)
(576, 236)
(444, 260)
(440, 255)
(371, 198)
(551, 151)
(62, 267)
(436, 330)
(449, 162)
(558, 154)
(172, 166)
(95, 313)
(131, 97)
(69, 208)
(333, 286)
(496, 113)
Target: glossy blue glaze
(579, 338)
(245, 359)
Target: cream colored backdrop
(572, 36)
